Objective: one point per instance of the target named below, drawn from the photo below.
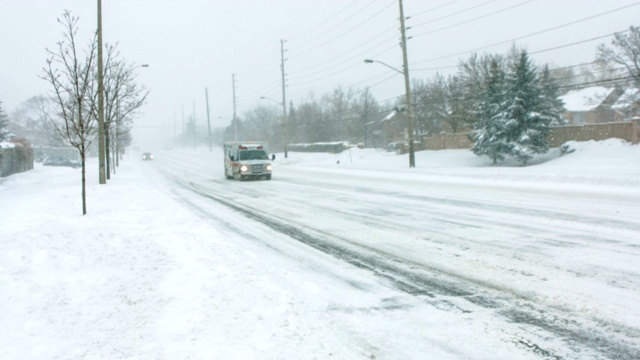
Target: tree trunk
(84, 179)
(107, 152)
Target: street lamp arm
(369, 61)
(268, 98)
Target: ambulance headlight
(244, 168)
(269, 167)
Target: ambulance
(247, 160)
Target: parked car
(61, 161)
(147, 156)
(399, 147)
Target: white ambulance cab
(247, 160)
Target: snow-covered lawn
(154, 271)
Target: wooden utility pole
(285, 120)
(195, 138)
(234, 120)
(102, 179)
(407, 87)
(206, 96)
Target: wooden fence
(628, 130)
(15, 159)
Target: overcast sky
(192, 45)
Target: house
(593, 105)
(628, 104)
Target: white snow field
(339, 256)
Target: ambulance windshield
(253, 155)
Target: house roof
(586, 99)
(390, 116)
(627, 99)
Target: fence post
(635, 130)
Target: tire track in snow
(582, 336)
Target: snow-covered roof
(390, 116)
(586, 99)
(627, 99)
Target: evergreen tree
(4, 125)
(552, 105)
(517, 107)
(527, 115)
(490, 132)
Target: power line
(433, 9)
(358, 57)
(452, 14)
(324, 21)
(474, 19)
(539, 51)
(342, 70)
(598, 82)
(337, 25)
(346, 32)
(576, 43)
(531, 34)
(364, 43)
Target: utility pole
(101, 143)
(284, 101)
(206, 96)
(195, 138)
(184, 129)
(407, 86)
(234, 120)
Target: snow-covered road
(356, 256)
(557, 259)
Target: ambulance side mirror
(273, 157)
(231, 158)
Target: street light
(284, 119)
(369, 61)
(412, 157)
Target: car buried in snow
(61, 161)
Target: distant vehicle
(61, 161)
(147, 156)
(399, 147)
(247, 160)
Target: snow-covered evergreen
(551, 97)
(4, 125)
(489, 131)
(516, 113)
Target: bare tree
(368, 111)
(71, 75)
(264, 122)
(33, 115)
(337, 107)
(123, 98)
(625, 52)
